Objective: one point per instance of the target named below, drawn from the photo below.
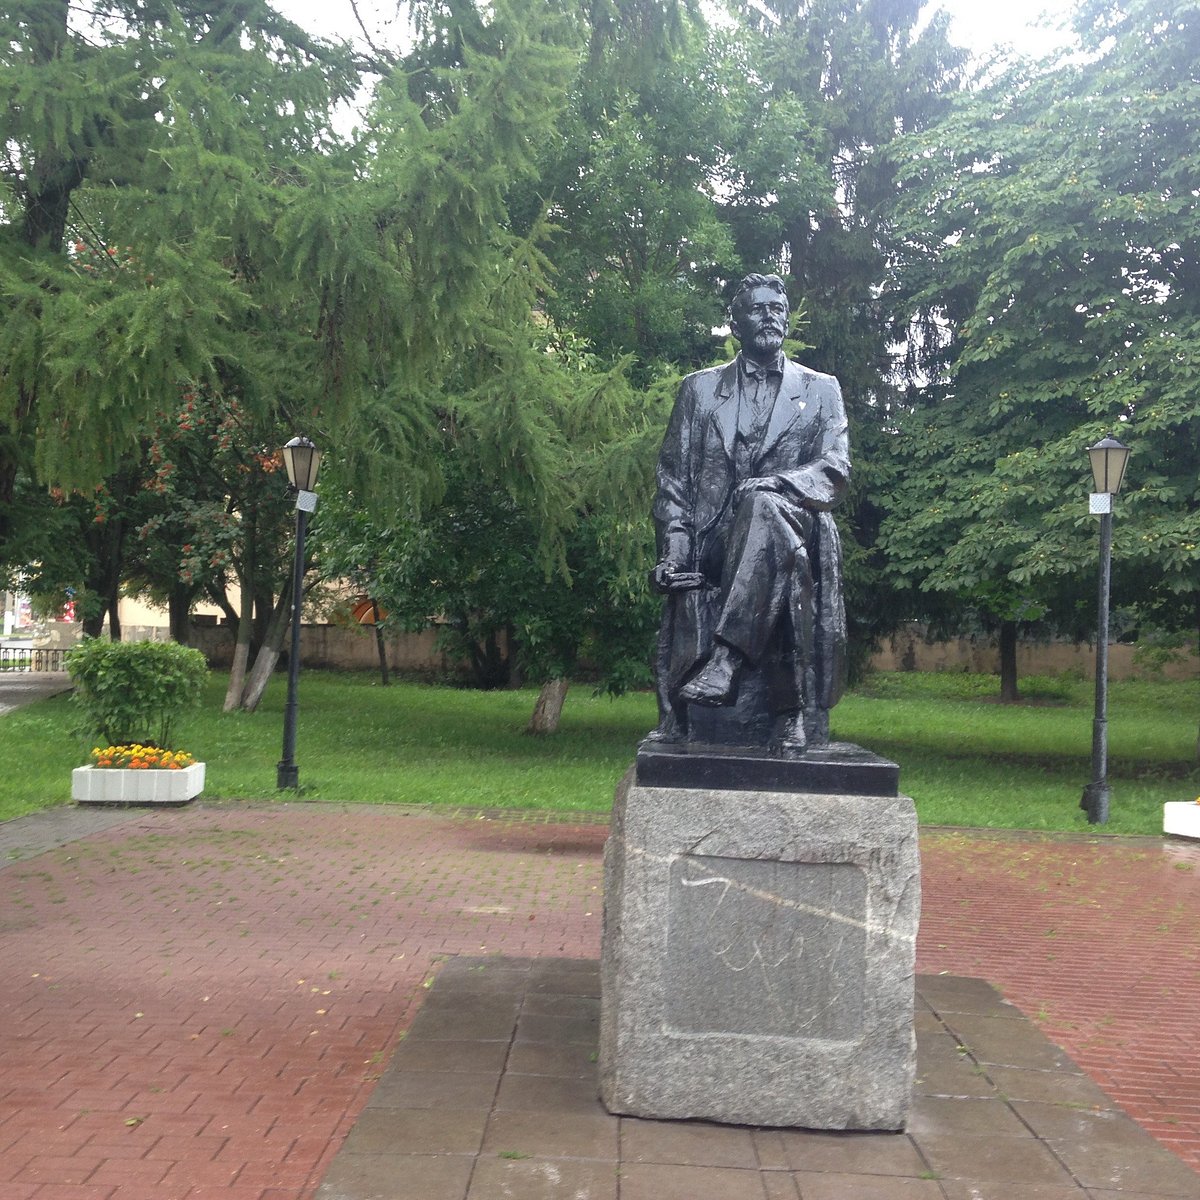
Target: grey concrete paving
(23, 687)
(35, 833)
(492, 1095)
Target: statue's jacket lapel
(789, 417)
(783, 446)
(714, 463)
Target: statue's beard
(767, 341)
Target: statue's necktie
(754, 407)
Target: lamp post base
(1095, 803)
(287, 775)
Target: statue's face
(760, 321)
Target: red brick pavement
(196, 1004)
(1099, 941)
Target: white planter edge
(102, 785)
(1182, 818)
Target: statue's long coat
(806, 445)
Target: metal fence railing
(28, 658)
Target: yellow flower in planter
(136, 757)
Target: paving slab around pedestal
(493, 1095)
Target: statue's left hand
(670, 576)
(760, 483)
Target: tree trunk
(245, 623)
(489, 664)
(1009, 693)
(55, 171)
(114, 614)
(179, 608)
(549, 706)
(241, 653)
(221, 600)
(516, 669)
(105, 543)
(264, 617)
(114, 584)
(380, 648)
(268, 656)
(8, 483)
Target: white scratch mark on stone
(771, 898)
(724, 953)
(873, 927)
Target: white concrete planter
(101, 785)
(1182, 818)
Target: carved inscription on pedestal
(764, 948)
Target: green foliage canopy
(1053, 219)
(213, 230)
(133, 692)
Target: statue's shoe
(715, 686)
(668, 733)
(792, 741)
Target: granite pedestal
(758, 958)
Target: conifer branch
(384, 60)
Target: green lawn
(965, 759)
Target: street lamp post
(302, 460)
(1108, 458)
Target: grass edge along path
(966, 760)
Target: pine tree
(180, 213)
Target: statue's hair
(753, 280)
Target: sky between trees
(1028, 25)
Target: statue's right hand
(670, 576)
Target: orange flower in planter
(137, 757)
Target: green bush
(133, 691)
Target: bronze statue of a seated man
(756, 454)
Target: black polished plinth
(840, 768)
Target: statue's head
(758, 315)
